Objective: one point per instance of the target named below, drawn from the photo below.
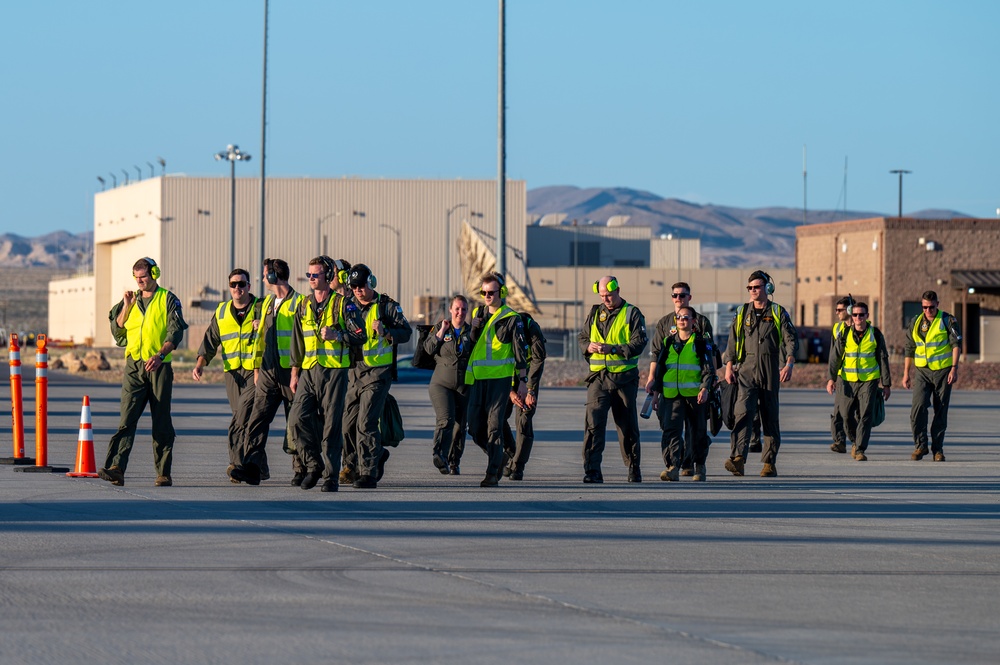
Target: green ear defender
(154, 270)
(612, 285)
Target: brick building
(888, 262)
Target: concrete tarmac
(833, 561)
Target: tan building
(400, 228)
(889, 262)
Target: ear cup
(154, 270)
(372, 282)
(329, 269)
(595, 287)
(613, 284)
(503, 292)
(270, 275)
(770, 285)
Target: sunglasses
(841, 309)
(488, 293)
(684, 317)
(860, 316)
(313, 275)
(755, 287)
(675, 296)
(238, 285)
(929, 306)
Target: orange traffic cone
(85, 467)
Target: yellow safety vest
(838, 328)
(738, 330)
(683, 375)
(619, 334)
(319, 351)
(934, 351)
(237, 342)
(284, 321)
(491, 358)
(860, 362)
(148, 330)
(377, 351)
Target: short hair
(240, 271)
(929, 295)
(318, 261)
(860, 305)
(846, 301)
(459, 296)
(492, 277)
(689, 309)
(759, 274)
(681, 285)
(280, 268)
(143, 264)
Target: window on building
(911, 309)
(816, 314)
(585, 253)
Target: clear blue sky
(706, 101)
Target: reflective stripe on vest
(283, 322)
(147, 330)
(619, 334)
(237, 343)
(319, 351)
(377, 351)
(683, 374)
(860, 363)
(934, 351)
(491, 358)
(738, 329)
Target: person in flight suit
(381, 327)
(497, 368)
(682, 379)
(838, 417)
(760, 356)
(518, 450)
(272, 374)
(680, 294)
(450, 346)
(860, 360)
(933, 347)
(326, 324)
(612, 339)
(149, 323)
(233, 331)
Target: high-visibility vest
(491, 358)
(618, 334)
(934, 351)
(377, 350)
(284, 321)
(683, 371)
(237, 342)
(738, 329)
(860, 362)
(838, 329)
(147, 330)
(319, 351)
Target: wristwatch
(162, 357)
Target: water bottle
(647, 406)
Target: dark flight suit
(758, 375)
(448, 392)
(856, 398)
(317, 413)
(682, 412)
(517, 451)
(369, 387)
(239, 381)
(614, 391)
(489, 397)
(140, 387)
(666, 326)
(930, 386)
(271, 390)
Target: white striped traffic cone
(85, 467)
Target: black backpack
(422, 359)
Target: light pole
(399, 259)
(447, 247)
(232, 154)
(320, 245)
(901, 173)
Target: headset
(329, 269)
(342, 267)
(768, 282)
(359, 270)
(612, 285)
(503, 285)
(270, 274)
(154, 270)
